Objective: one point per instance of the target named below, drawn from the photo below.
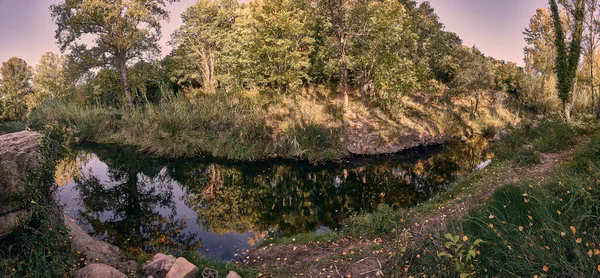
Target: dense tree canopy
(123, 31)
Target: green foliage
(91, 123)
(121, 32)
(51, 80)
(14, 88)
(383, 220)
(10, 127)
(461, 256)
(523, 145)
(40, 247)
(567, 60)
(211, 125)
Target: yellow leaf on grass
(573, 230)
(545, 268)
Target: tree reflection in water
(131, 202)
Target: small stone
(159, 266)
(98, 271)
(503, 133)
(233, 274)
(182, 269)
(528, 147)
(463, 139)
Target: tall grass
(549, 229)
(178, 127)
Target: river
(222, 208)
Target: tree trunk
(125, 81)
(344, 69)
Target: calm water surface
(221, 209)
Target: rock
(98, 271)
(500, 135)
(463, 139)
(98, 252)
(233, 274)
(18, 152)
(159, 266)
(182, 269)
(482, 165)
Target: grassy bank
(493, 205)
(40, 246)
(249, 126)
(529, 227)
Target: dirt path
(350, 257)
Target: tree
(123, 30)
(337, 12)
(202, 41)
(50, 80)
(540, 52)
(379, 50)
(567, 59)
(591, 41)
(14, 88)
(474, 74)
(281, 43)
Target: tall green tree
(540, 54)
(567, 58)
(123, 30)
(15, 86)
(50, 80)
(202, 42)
(281, 44)
(474, 74)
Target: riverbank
(407, 243)
(311, 125)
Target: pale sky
(494, 26)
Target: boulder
(159, 266)
(98, 252)
(98, 271)
(18, 152)
(183, 269)
(233, 274)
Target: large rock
(159, 266)
(183, 269)
(233, 274)
(18, 152)
(98, 271)
(95, 251)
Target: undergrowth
(40, 246)
(211, 125)
(529, 228)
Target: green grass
(549, 229)
(177, 127)
(10, 127)
(525, 143)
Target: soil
(352, 257)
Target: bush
(381, 221)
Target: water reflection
(143, 204)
